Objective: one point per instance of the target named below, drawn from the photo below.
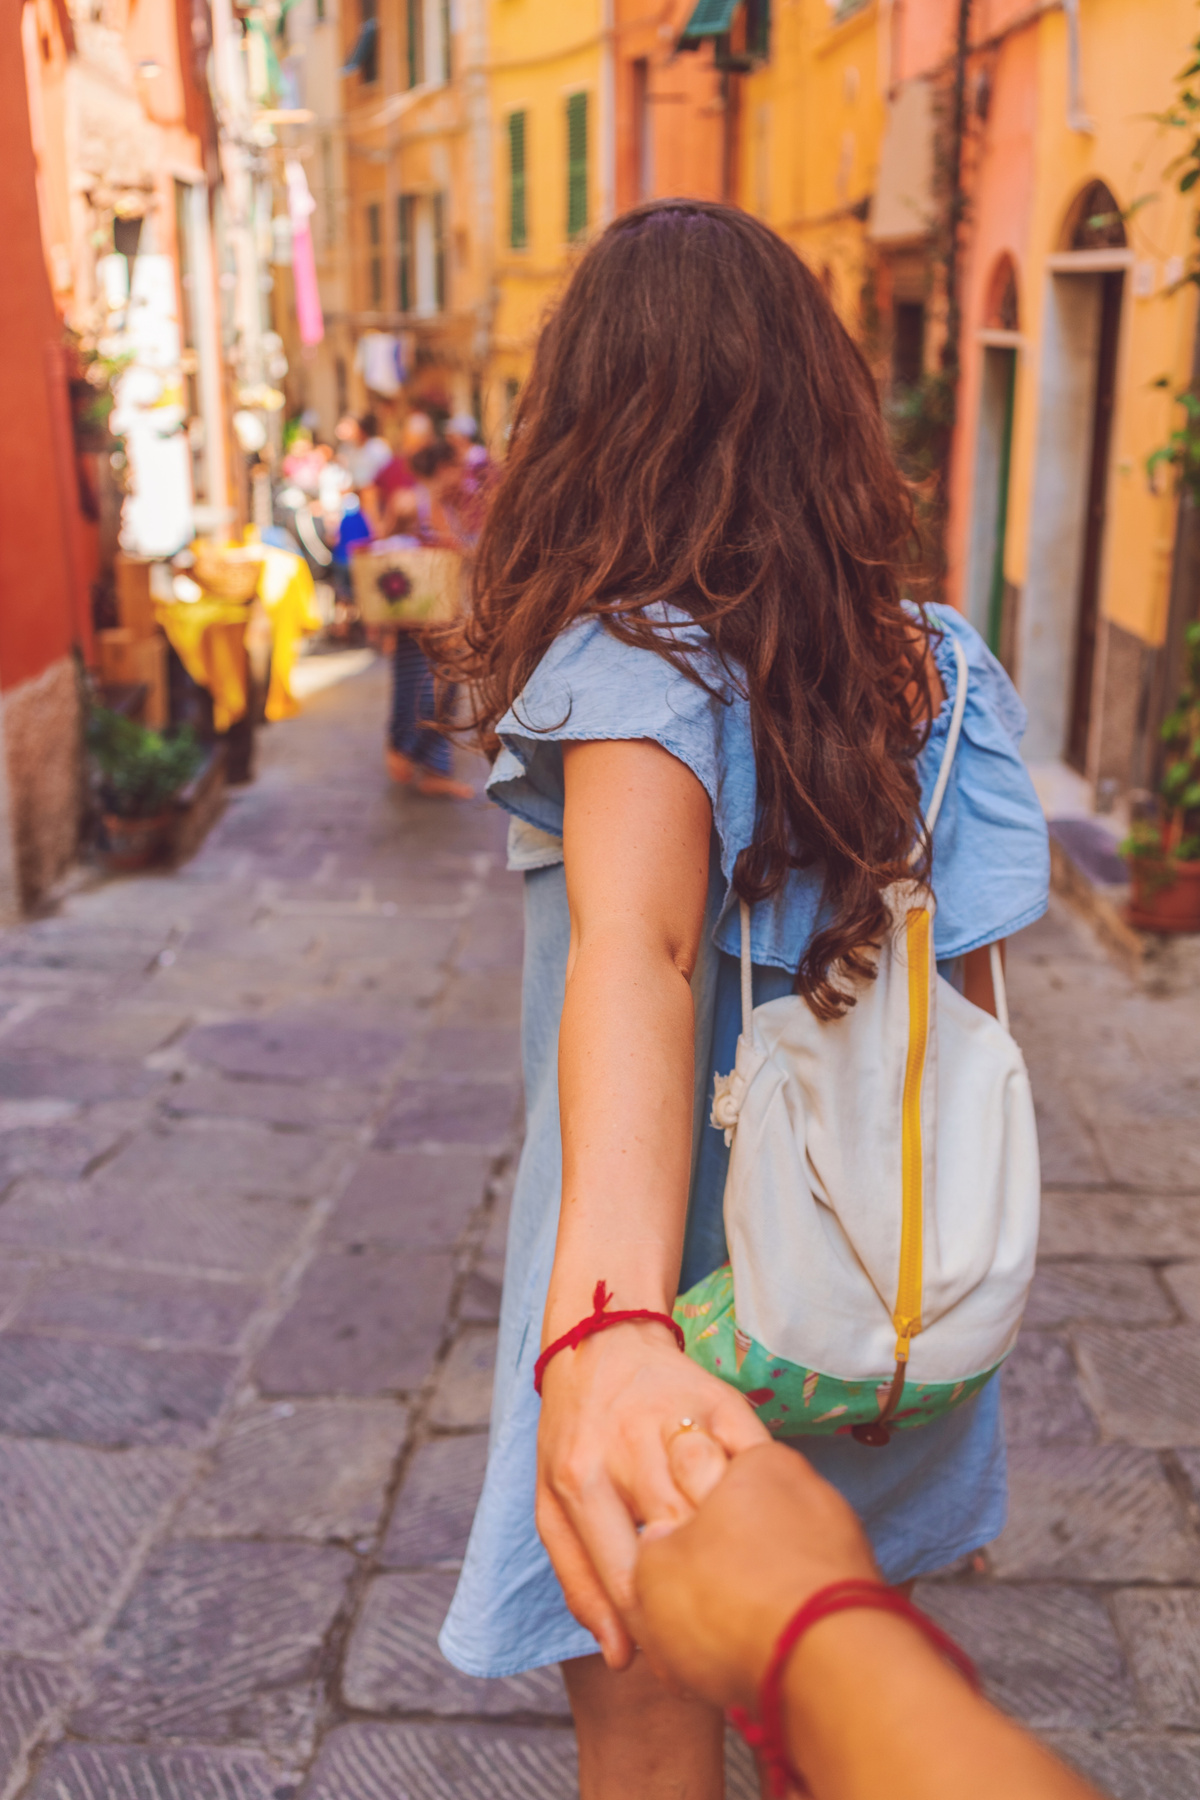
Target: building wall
(814, 130)
(39, 508)
(670, 110)
(427, 142)
(541, 53)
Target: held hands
(611, 1424)
(713, 1594)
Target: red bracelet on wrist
(599, 1320)
(765, 1735)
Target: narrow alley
(257, 1123)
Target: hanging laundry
(301, 207)
(378, 363)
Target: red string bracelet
(599, 1320)
(765, 1735)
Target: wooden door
(1094, 517)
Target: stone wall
(42, 725)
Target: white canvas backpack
(881, 1205)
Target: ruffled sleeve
(991, 849)
(591, 686)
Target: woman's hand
(714, 1594)
(613, 1412)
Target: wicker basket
(407, 587)
(227, 572)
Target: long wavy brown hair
(698, 428)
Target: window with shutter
(375, 253)
(439, 252)
(518, 229)
(406, 285)
(577, 164)
(415, 42)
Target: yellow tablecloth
(209, 637)
(285, 588)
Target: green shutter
(710, 18)
(405, 285)
(439, 251)
(518, 229)
(414, 45)
(577, 164)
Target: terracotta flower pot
(1166, 896)
(134, 843)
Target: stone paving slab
(450, 1112)
(1043, 1400)
(116, 1395)
(62, 1152)
(1144, 1385)
(29, 1691)
(306, 1108)
(1048, 1655)
(431, 1520)
(103, 1772)
(473, 1052)
(1183, 1283)
(297, 1046)
(1098, 1224)
(1107, 1513)
(35, 1074)
(220, 1642)
(101, 1032)
(484, 999)
(235, 1236)
(360, 1324)
(1133, 1766)
(133, 1306)
(16, 1278)
(1161, 1630)
(414, 1199)
(72, 1521)
(195, 1160)
(462, 1399)
(1108, 1293)
(444, 1762)
(393, 1663)
(306, 1468)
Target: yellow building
(554, 155)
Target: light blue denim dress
(932, 1494)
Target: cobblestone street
(257, 1125)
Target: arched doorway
(1076, 405)
(990, 596)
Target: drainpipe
(608, 111)
(1077, 119)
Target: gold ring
(683, 1425)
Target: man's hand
(713, 1594)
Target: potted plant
(140, 772)
(1163, 851)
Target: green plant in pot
(1163, 851)
(140, 772)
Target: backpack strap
(931, 818)
(952, 737)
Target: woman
(418, 752)
(689, 649)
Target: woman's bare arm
(636, 839)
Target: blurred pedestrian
(396, 484)
(689, 652)
(418, 753)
